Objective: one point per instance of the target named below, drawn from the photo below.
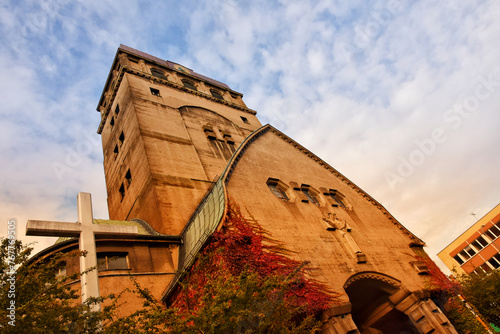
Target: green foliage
(242, 282)
(483, 291)
(33, 299)
(461, 317)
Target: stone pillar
(425, 315)
(338, 320)
(123, 59)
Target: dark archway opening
(372, 310)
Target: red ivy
(438, 281)
(242, 244)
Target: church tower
(167, 134)
(177, 145)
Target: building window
(230, 142)
(467, 252)
(490, 235)
(112, 261)
(122, 191)
(310, 195)
(495, 231)
(338, 198)
(495, 261)
(459, 259)
(216, 94)
(128, 178)
(154, 91)
(479, 243)
(121, 138)
(278, 188)
(112, 122)
(234, 96)
(117, 109)
(222, 148)
(245, 120)
(486, 267)
(115, 151)
(158, 73)
(188, 84)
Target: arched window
(158, 73)
(188, 84)
(338, 198)
(216, 94)
(278, 188)
(310, 194)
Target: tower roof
(166, 63)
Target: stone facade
(169, 133)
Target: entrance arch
(372, 309)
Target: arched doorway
(372, 310)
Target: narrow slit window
(230, 142)
(245, 120)
(122, 191)
(115, 151)
(128, 178)
(154, 91)
(117, 109)
(121, 138)
(112, 122)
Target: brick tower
(167, 133)
(177, 145)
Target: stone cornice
(119, 77)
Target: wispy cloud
(359, 84)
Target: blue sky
(402, 97)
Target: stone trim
(374, 276)
(370, 199)
(110, 95)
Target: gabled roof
(268, 128)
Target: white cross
(85, 230)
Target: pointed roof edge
(266, 128)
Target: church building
(178, 145)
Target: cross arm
(53, 229)
(117, 231)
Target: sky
(401, 97)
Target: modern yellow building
(478, 248)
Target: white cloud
(359, 84)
